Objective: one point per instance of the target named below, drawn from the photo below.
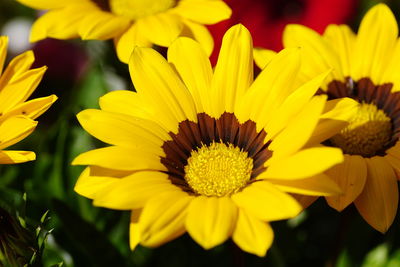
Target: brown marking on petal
(102, 4)
(226, 129)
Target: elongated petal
(233, 73)
(159, 84)
(126, 42)
(48, 4)
(300, 129)
(317, 54)
(13, 157)
(194, 67)
(378, 202)
(134, 191)
(15, 129)
(19, 89)
(121, 158)
(211, 220)
(99, 25)
(126, 130)
(303, 164)
(63, 23)
(199, 33)
(88, 185)
(203, 11)
(163, 218)
(266, 202)
(3, 51)
(263, 56)
(335, 117)
(252, 235)
(270, 89)
(376, 40)
(134, 229)
(161, 29)
(31, 109)
(393, 157)
(318, 185)
(350, 176)
(16, 67)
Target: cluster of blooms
(213, 151)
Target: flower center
(367, 133)
(135, 9)
(218, 169)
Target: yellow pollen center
(218, 170)
(135, 9)
(367, 133)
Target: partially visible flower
(211, 153)
(17, 115)
(266, 19)
(128, 22)
(366, 68)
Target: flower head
(128, 22)
(17, 83)
(211, 153)
(365, 68)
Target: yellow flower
(128, 22)
(17, 115)
(365, 68)
(211, 153)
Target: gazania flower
(210, 153)
(17, 83)
(366, 69)
(266, 19)
(128, 22)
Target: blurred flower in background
(266, 19)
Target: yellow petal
(62, 23)
(299, 129)
(378, 202)
(125, 102)
(341, 38)
(194, 67)
(121, 158)
(393, 157)
(199, 33)
(163, 218)
(3, 51)
(19, 89)
(234, 70)
(305, 163)
(252, 235)
(99, 25)
(203, 11)
(375, 42)
(335, 117)
(304, 201)
(126, 130)
(47, 4)
(161, 29)
(134, 229)
(16, 67)
(88, 185)
(317, 54)
(158, 84)
(31, 109)
(126, 42)
(318, 185)
(263, 56)
(132, 192)
(266, 202)
(350, 176)
(15, 129)
(270, 89)
(13, 157)
(211, 220)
